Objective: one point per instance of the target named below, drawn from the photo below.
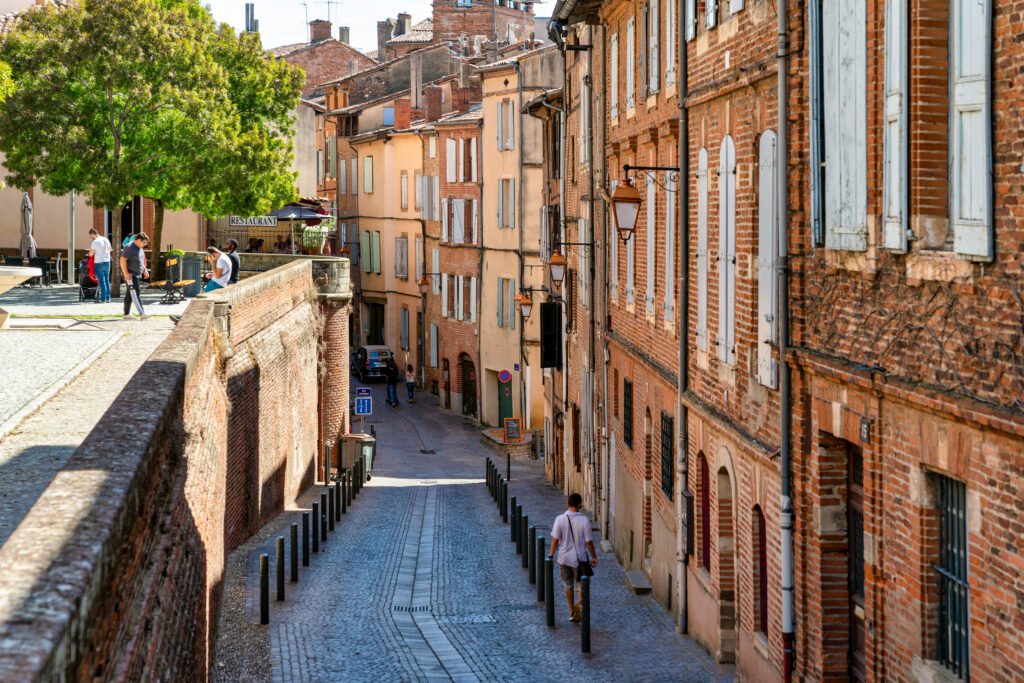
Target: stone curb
(32, 406)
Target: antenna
(305, 6)
(328, 3)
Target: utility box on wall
(551, 335)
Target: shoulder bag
(583, 567)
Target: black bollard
(508, 465)
(514, 525)
(343, 503)
(280, 568)
(540, 570)
(295, 552)
(316, 527)
(585, 621)
(549, 591)
(519, 529)
(305, 539)
(264, 589)
(337, 499)
(330, 509)
(323, 521)
(533, 554)
(327, 463)
(524, 531)
(504, 502)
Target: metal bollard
(585, 622)
(347, 493)
(365, 470)
(295, 552)
(264, 589)
(524, 535)
(508, 465)
(549, 591)
(504, 502)
(540, 570)
(327, 462)
(533, 554)
(337, 499)
(330, 509)
(323, 521)
(280, 568)
(519, 529)
(316, 527)
(305, 539)
(343, 495)
(514, 525)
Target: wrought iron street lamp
(556, 267)
(626, 199)
(525, 304)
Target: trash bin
(355, 445)
(192, 269)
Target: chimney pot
(319, 29)
(343, 34)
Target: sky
(283, 22)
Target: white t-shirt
(224, 264)
(101, 250)
(569, 554)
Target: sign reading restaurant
(252, 221)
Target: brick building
(324, 58)
(471, 23)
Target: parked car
(370, 362)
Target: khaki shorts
(568, 576)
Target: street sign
(505, 376)
(363, 392)
(364, 406)
(516, 367)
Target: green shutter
(365, 252)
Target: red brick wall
(452, 22)
(328, 61)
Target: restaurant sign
(252, 221)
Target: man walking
(573, 540)
(100, 251)
(391, 376)
(133, 269)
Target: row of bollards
(334, 501)
(532, 547)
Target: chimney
(416, 81)
(385, 31)
(404, 24)
(343, 34)
(432, 102)
(402, 114)
(319, 29)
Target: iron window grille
(627, 412)
(668, 469)
(954, 643)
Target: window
(432, 147)
(671, 31)
(402, 257)
(651, 208)
(375, 248)
(433, 345)
(630, 64)
(759, 551)
(404, 188)
(451, 160)
(457, 220)
(727, 252)
(767, 335)
(670, 247)
(575, 412)
(951, 567)
(343, 178)
(332, 157)
(653, 57)
(705, 514)
(702, 249)
(320, 167)
(627, 412)
(419, 258)
(367, 250)
(368, 175)
(354, 188)
(613, 96)
(417, 191)
(506, 303)
(668, 459)
(506, 203)
(403, 325)
(388, 116)
(435, 268)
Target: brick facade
(324, 61)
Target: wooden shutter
(670, 248)
(404, 188)
(444, 220)
(376, 251)
(895, 154)
(727, 251)
(433, 345)
(474, 218)
(353, 177)
(501, 125)
(645, 23)
(816, 120)
(368, 175)
(417, 190)
(343, 177)
(512, 203)
(472, 299)
(630, 63)
(844, 42)
(691, 19)
(702, 249)
(459, 297)
(511, 142)
(367, 251)
(472, 160)
(971, 144)
(653, 55)
(501, 302)
(450, 155)
(614, 94)
(512, 313)
(462, 160)
(445, 295)
(735, 6)
(501, 202)
(650, 266)
(710, 13)
(435, 267)
(668, 462)
(767, 250)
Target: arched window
(759, 548)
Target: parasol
(28, 243)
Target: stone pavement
(62, 300)
(32, 452)
(420, 582)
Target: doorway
(855, 556)
(504, 401)
(468, 372)
(374, 324)
(726, 570)
(446, 383)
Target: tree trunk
(115, 258)
(158, 229)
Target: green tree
(6, 85)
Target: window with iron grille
(954, 644)
(668, 465)
(705, 514)
(627, 412)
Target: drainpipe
(609, 244)
(591, 260)
(523, 398)
(682, 431)
(788, 641)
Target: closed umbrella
(28, 243)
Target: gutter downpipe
(594, 463)
(682, 422)
(523, 398)
(605, 252)
(786, 502)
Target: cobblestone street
(420, 582)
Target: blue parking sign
(364, 406)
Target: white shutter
(671, 33)
(501, 126)
(419, 258)
(727, 252)
(404, 189)
(472, 160)
(670, 249)
(971, 144)
(476, 221)
(435, 268)
(613, 246)
(710, 13)
(462, 160)
(444, 296)
(450, 159)
(436, 182)
(512, 313)
(894, 183)
(844, 42)
(767, 250)
(444, 220)
(630, 63)
(691, 19)
(501, 202)
(735, 6)
(653, 57)
(354, 186)
(512, 203)
(501, 302)
(652, 214)
(702, 250)
(459, 221)
(472, 299)
(343, 177)
(614, 94)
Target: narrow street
(420, 582)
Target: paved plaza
(62, 300)
(419, 582)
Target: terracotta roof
(7, 21)
(413, 37)
(475, 113)
(285, 50)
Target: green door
(504, 401)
